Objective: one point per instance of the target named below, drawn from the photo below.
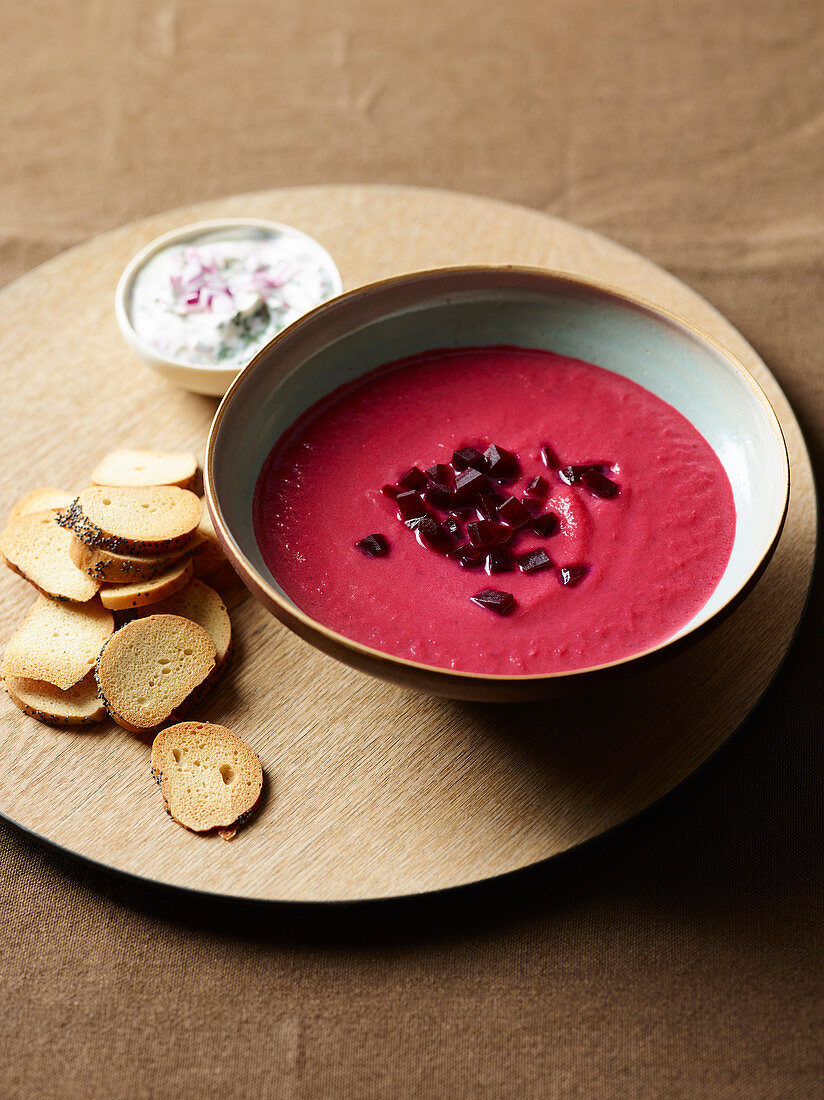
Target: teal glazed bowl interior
(471, 307)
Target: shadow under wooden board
(372, 791)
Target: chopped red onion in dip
(217, 298)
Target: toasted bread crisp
(130, 468)
(200, 603)
(148, 669)
(111, 568)
(35, 547)
(209, 777)
(143, 521)
(77, 706)
(119, 597)
(40, 500)
(208, 555)
(58, 642)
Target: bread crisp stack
(141, 531)
(131, 543)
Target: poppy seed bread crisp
(58, 642)
(200, 603)
(39, 500)
(208, 776)
(208, 556)
(39, 551)
(143, 520)
(138, 468)
(119, 597)
(148, 669)
(76, 706)
(105, 565)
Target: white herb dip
(218, 297)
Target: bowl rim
(176, 236)
(290, 613)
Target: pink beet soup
(386, 512)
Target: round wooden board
(372, 791)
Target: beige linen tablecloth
(679, 957)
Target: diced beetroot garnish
(438, 496)
(536, 487)
(572, 474)
(546, 525)
(440, 474)
(513, 513)
(533, 560)
(468, 484)
(468, 557)
(500, 560)
(481, 533)
(467, 457)
(464, 491)
(373, 545)
(495, 600)
(572, 574)
(548, 457)
(501, 531)
(501, 463)
(413, 479)
(598, 484)
(486, 508)
(430, 533)
(410, 505)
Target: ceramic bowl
(212, 380)
(365, 328)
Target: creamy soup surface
(645, 513)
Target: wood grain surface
(372, 791)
